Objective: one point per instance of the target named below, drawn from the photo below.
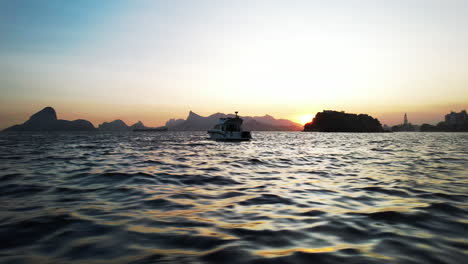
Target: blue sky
(153, 60)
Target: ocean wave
(284, 197)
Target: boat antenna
(236, 113)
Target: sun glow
(303, 119)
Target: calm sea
(284, 197)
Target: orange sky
(151, 61)
(157, 116)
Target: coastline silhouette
(325, 121)
(454, 122)
(46, 120)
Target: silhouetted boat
(229, 129)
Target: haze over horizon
(156, 60)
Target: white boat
(229, 129)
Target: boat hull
(229, 136)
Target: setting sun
(220, 131)
(303, 119)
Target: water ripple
(284, 197)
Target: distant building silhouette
(454, 122)
(405, 126)
(456, 119)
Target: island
(335, 121)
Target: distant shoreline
(325, 121)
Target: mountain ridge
(196, 122)
(46, 120)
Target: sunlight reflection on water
(284, 196)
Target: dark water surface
(285, 197)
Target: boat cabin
(230, 124)
(229, 129)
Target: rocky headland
(46, 120)
(334, 121)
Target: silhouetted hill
(174, 122)
(254, 125)
(46, 120)
(268, 119)
(119, 125)
(333, 121)
(116, 125)
(138, 125)
(45, 116)
(195, 122)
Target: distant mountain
(119, 125)
(269, 123)
(334, 121)
(174, 122)
(268, 119)
(195, 122)
(46, 120)
(138, 125)
(116, 125)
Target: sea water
(284, 197)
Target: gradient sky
(154, 60)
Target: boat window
(232, 127)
